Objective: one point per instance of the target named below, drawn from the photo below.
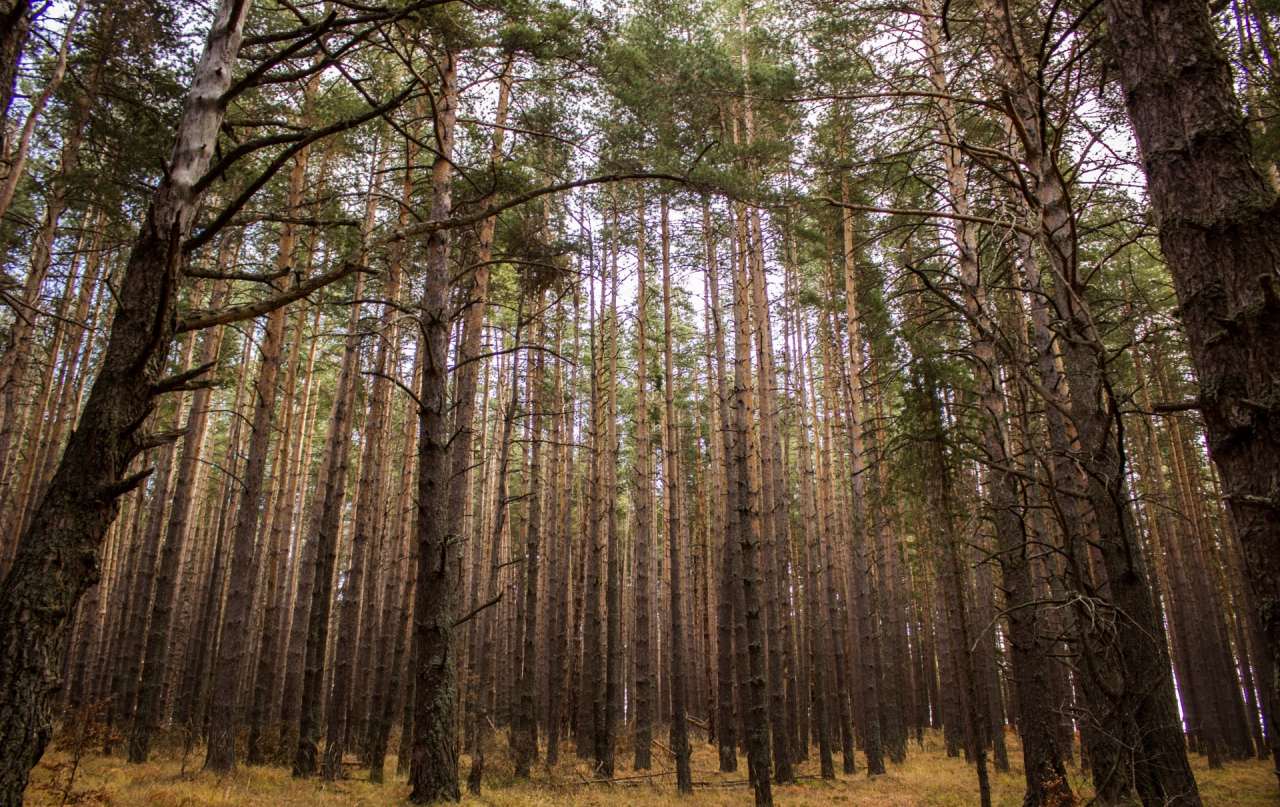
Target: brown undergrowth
(927, 779)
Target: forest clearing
(726, 401)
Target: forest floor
(927, 779)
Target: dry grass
(928, 779)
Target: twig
(476, 611)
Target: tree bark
(754, 674)
(15, 26)
(671, 484)
(526, 734)
(366, 525)
(433, 773)
(727, 513)
(57, 557)
(233, 640)
(1218, 231)
(872, 747)
(643, 497)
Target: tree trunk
(561, 558)
(234, 631)
(861, 522)
(324, 530)
(754, 675)
(643, 496)
(433, 773)
(726, 513)
(526, 725)
(671, 507)
(1218, 231)
(39, 594)
(15, 26)
(813, 513)
(366, 525)
(611, 695)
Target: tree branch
(355, 261)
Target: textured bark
(643, 496)
(57, 556)
(671, 506)
(1218, 231)
(726, 514)
(433, 773)
(865, 618)
(525, 722)
(15, 26)
(754, 674)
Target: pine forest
(679, 401)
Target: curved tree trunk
(57, 556)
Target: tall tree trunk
(726, 513)
(233, 640)
(366, 525)
(561, 559)
(525, 724)
(835, 631)
(755, 674)
(433, 773)
(1142, 718)
(324, 530)
(1218, 232)
(812, 513)
(39, 594)
(280, 530)
(408, 590)
(643, 496)
(671, 507)
(481, 699)
(1045, 774)
(861, 522)
(591, 689)
(15, 26)
(611, 694)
